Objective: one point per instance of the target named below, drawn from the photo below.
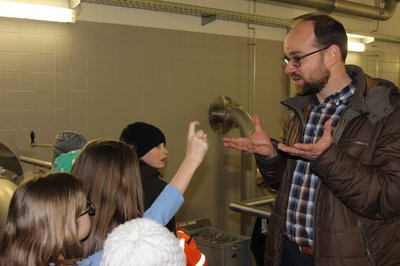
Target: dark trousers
(257, 244)
(292, 256)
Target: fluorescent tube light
(361, 38)
(355, 46)
(356, 42)
(36, 12)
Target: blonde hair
(110, 172)
(41, 222)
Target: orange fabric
(194, 257)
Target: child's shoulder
(64, 162)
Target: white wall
(382, 51)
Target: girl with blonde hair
(47, 219)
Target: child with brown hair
(47, 219)
(110, 172)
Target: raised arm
(170, 200)
(196, 148)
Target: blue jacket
(162, 210)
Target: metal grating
(185, 9)
(192, 10)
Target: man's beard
(318, 81)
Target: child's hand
(196, 148)
(197, 143)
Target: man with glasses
(336, 166)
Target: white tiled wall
(96, 78)
(380, 60)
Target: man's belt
(306, 250)
(302, 249)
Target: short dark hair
(327, 30)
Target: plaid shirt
(300, 210)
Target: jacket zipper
(315, 211)
(297, 113)
(364, 236)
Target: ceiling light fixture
(39, 11)
(356, 42)
(361, 38)
(355, 46)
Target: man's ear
(332, 55)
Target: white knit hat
(142, 242)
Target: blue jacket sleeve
(161, 211)
(165, 206)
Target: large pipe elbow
(224, 114)
(242, 120)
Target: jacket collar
(371, 96)
(148, 171)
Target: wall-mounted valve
(33, 144)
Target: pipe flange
(218, 117)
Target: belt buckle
(306, 250)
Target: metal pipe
(253, 207)
(41, 145)
(366, 11)
(248, 166)
(33, 144)
(224, 114)
(253, 211)
(248, 170)
(262, 201)
(347, 7)
(242, 120)
(35, 162)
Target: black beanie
(144, 136)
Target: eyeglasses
(90, 209)
(296, 60)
